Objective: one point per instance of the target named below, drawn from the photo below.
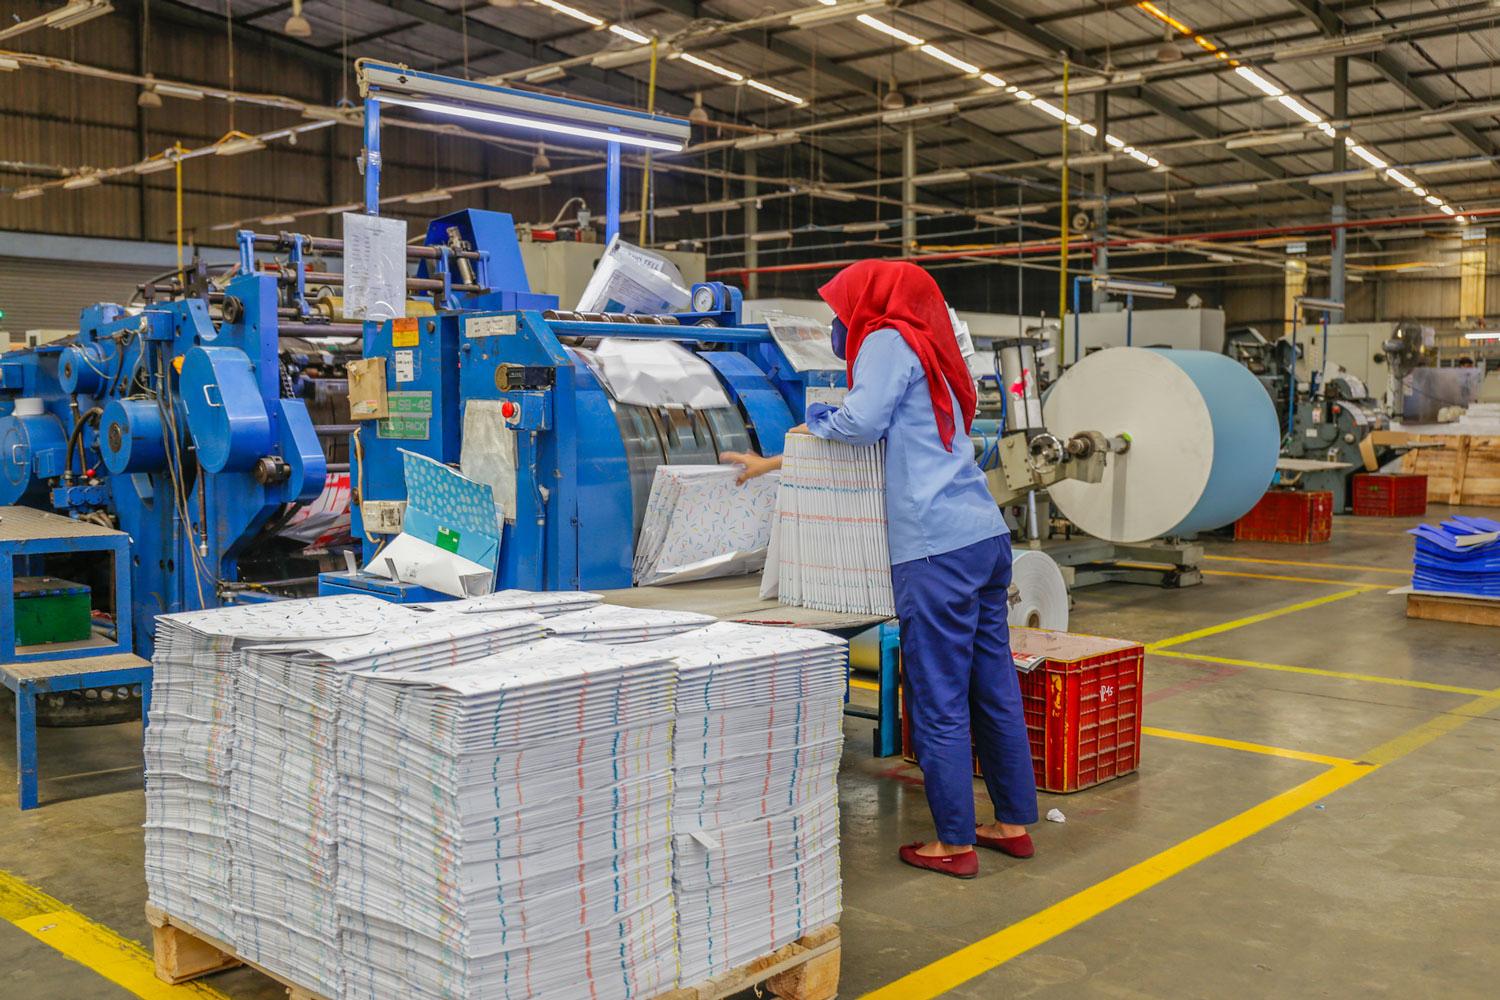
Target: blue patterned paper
(450, 510)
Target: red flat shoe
(1016, 847)
(962, 865)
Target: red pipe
(1120, 241)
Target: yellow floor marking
(1406, 571)
(1270, 751)
(866, 685)
(980, 957)
(1316, 672)
(1202, 633)
(1296, 579)
(62, 928)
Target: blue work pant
(960, 678)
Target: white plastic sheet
(374, 266)
(656, 373)
(628, 279)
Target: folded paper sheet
(828, 548)
(700, 524)
(614, 625)
(450, 540)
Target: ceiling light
(1401, 178)
(83, 180)
(1221, 258)
(1448, 167)
(630, 34)
(1084, 84)
(1446, 210)
(525, 181)
(893, 100)
(994, 220)
(1299, 109)
(944, 56)
(1257, 81)
(1136, 287)
(348, 206)
(297, 26)
(890, 29)
(148, 97)
(699, 114)
(615, 58)
(8, 65)
(1264, 139)
(712, 67)
(942, 177)
(234, 147)
(993, 80)
(832, 12)
(780, 95)
(163, 162)
(767, 139)
(179, 90)
(1114, 141)
(833, 194)
(1434, 200)
(1221, 190)
(1168, 52)
(540, 163)
(1459, 112)
(1341, 177)
(524, 121)
(1368, 157)
(1344, 45)
(278, 220)
(864, 227)
(919, 111)
(572, 12)
(545, 74)
(666, 213)
(76, 13)
(27, 192)
(425, 197)
(713, 206)
(777, 234)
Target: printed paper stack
(611, 624)
(283, 781)
(701, 524)
(829, 546)
(755, 818)
(1459, 556)
(189, 742)
(544, 603)
(504, 827)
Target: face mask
(840, 336)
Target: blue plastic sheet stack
(1459, 556)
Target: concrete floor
(1385, 887)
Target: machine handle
(18, 453)
(210, 402)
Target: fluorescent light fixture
(278, 220)
(1345, 45)
(1086, 160)
(890, 29)
(780, 95)
(918, 111)
(1447, 167)
(1299, 109)
(714, 206)
(1368, 157)
(994, 220)
(1341, 177)
(76, 13)
(179, 90)
(993, 80)
(775, 234)
(424, 197)
(525, 181)
(833, 194)
(1257, 81)
(8, 65)
(1460, 112)
(615, 58)
(1220, 258)
(224, 226)
(348, 206)
(1049, 108)
(1222, 190)
(1401, 178)
(944, 56)
(1483, 335)
(156, 166)
(1264, 139)
(86, 180)
(630, 34)
(235, 147)
(1114, 141)
(1088, 83)
(767, 139)
(538, 124)
(573, 12)
(864, 227)
(546, 74)
(1433, 200)
(666, 213)
(1446, 210)
(941, 177)
(712, 67)
(1131, 286)
(832, 12)
(27, 192)
(1319, 305)
(1088, 129)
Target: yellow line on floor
(1262, 748)
(866, 685)
(1403, 571)
(1202, 633)
(1317, 672)
(1296, 579)
(980, 957)
(62, 928)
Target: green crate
(50, 610)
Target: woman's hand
(751, 464)
(799, 429)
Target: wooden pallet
(806, 969)
(183, 953)
(1454, 608)
(1465, 469)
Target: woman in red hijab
(949, 549)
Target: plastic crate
(1296, 517)
(1082, 696)
(1390, 494)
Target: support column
(908, 190)
(752, 226)
(1101, 188)
(1336, 269)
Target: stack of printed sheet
(544, 603)
(755, 818)
(189, 743)
(504, 826)
(283, 780)
(701, 524)
(828, 548)
(610, 624)
(1459, 556)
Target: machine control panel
(515, 378)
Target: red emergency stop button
(507, 409)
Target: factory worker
(949, 549)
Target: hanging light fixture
(1169, 52)
(540, 162)
(148, 97)
(893, 99)
(699, 114)
(297, 26)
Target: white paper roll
(1043, 596)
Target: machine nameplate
(410, 413)
(489, 326)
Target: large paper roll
(1040, 597)
(1203, 441)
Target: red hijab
(877, 294)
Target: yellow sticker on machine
(404, 331)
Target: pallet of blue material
(1458, 556)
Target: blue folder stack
(1459, 556)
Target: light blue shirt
(936, 500)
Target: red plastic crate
(1390, 494)
(1083, 707)
(1294, 516)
